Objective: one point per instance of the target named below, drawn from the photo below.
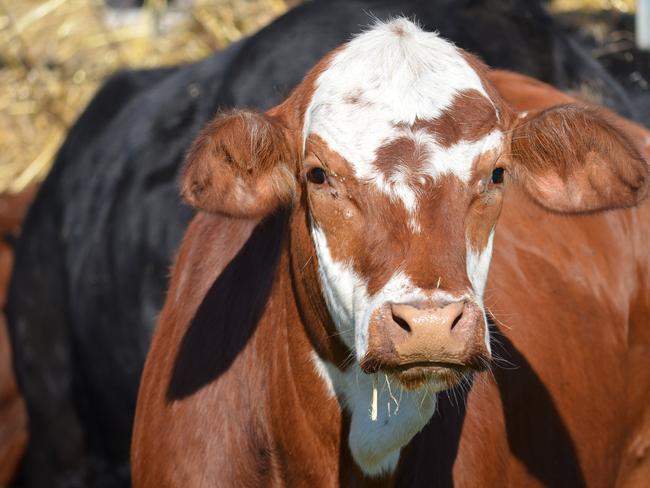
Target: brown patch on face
(470, 117)
(350, 212)
(484, 72)
(402, 154)
(355, 216)
(354, 97)
(398, 29)
(437, 253)
(364, 227)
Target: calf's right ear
(242, 164)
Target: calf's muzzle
(428, 337)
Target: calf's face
(404, 186)
(398, 150)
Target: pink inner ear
(559, 194)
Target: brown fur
(229, 395)
(570, 299)
(240, 165)
(13, 413)
(600, 169)
(470, 117)
(402, 155)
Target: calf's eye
(316, 176)
(497, 176)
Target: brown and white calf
(335, 279)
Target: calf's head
(398, 151)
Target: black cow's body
(92, 264)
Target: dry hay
(55, 53)
(626, 6)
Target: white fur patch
(321, 370)
(376, 445)
(345, 292)
(459, 158)
(395, 73)
(478, 265)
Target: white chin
(399, 414)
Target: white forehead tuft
(395, 69)
(388, 76)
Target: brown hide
(569, 404)
(237, 396)
(229, 396)
(13, 414)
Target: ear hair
(242, 164)
(573, 159)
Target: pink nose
(443, 319)
(405, 334)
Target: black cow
(92, 263)
(616, 51)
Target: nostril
(456, 320)
(401, 322)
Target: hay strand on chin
(373, 403)
(392, 397)
(573, 5)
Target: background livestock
(609, 36)
(92, 263)
(13, 414)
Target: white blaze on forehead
(390, 76)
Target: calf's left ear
(573, 159)
(241, 165)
